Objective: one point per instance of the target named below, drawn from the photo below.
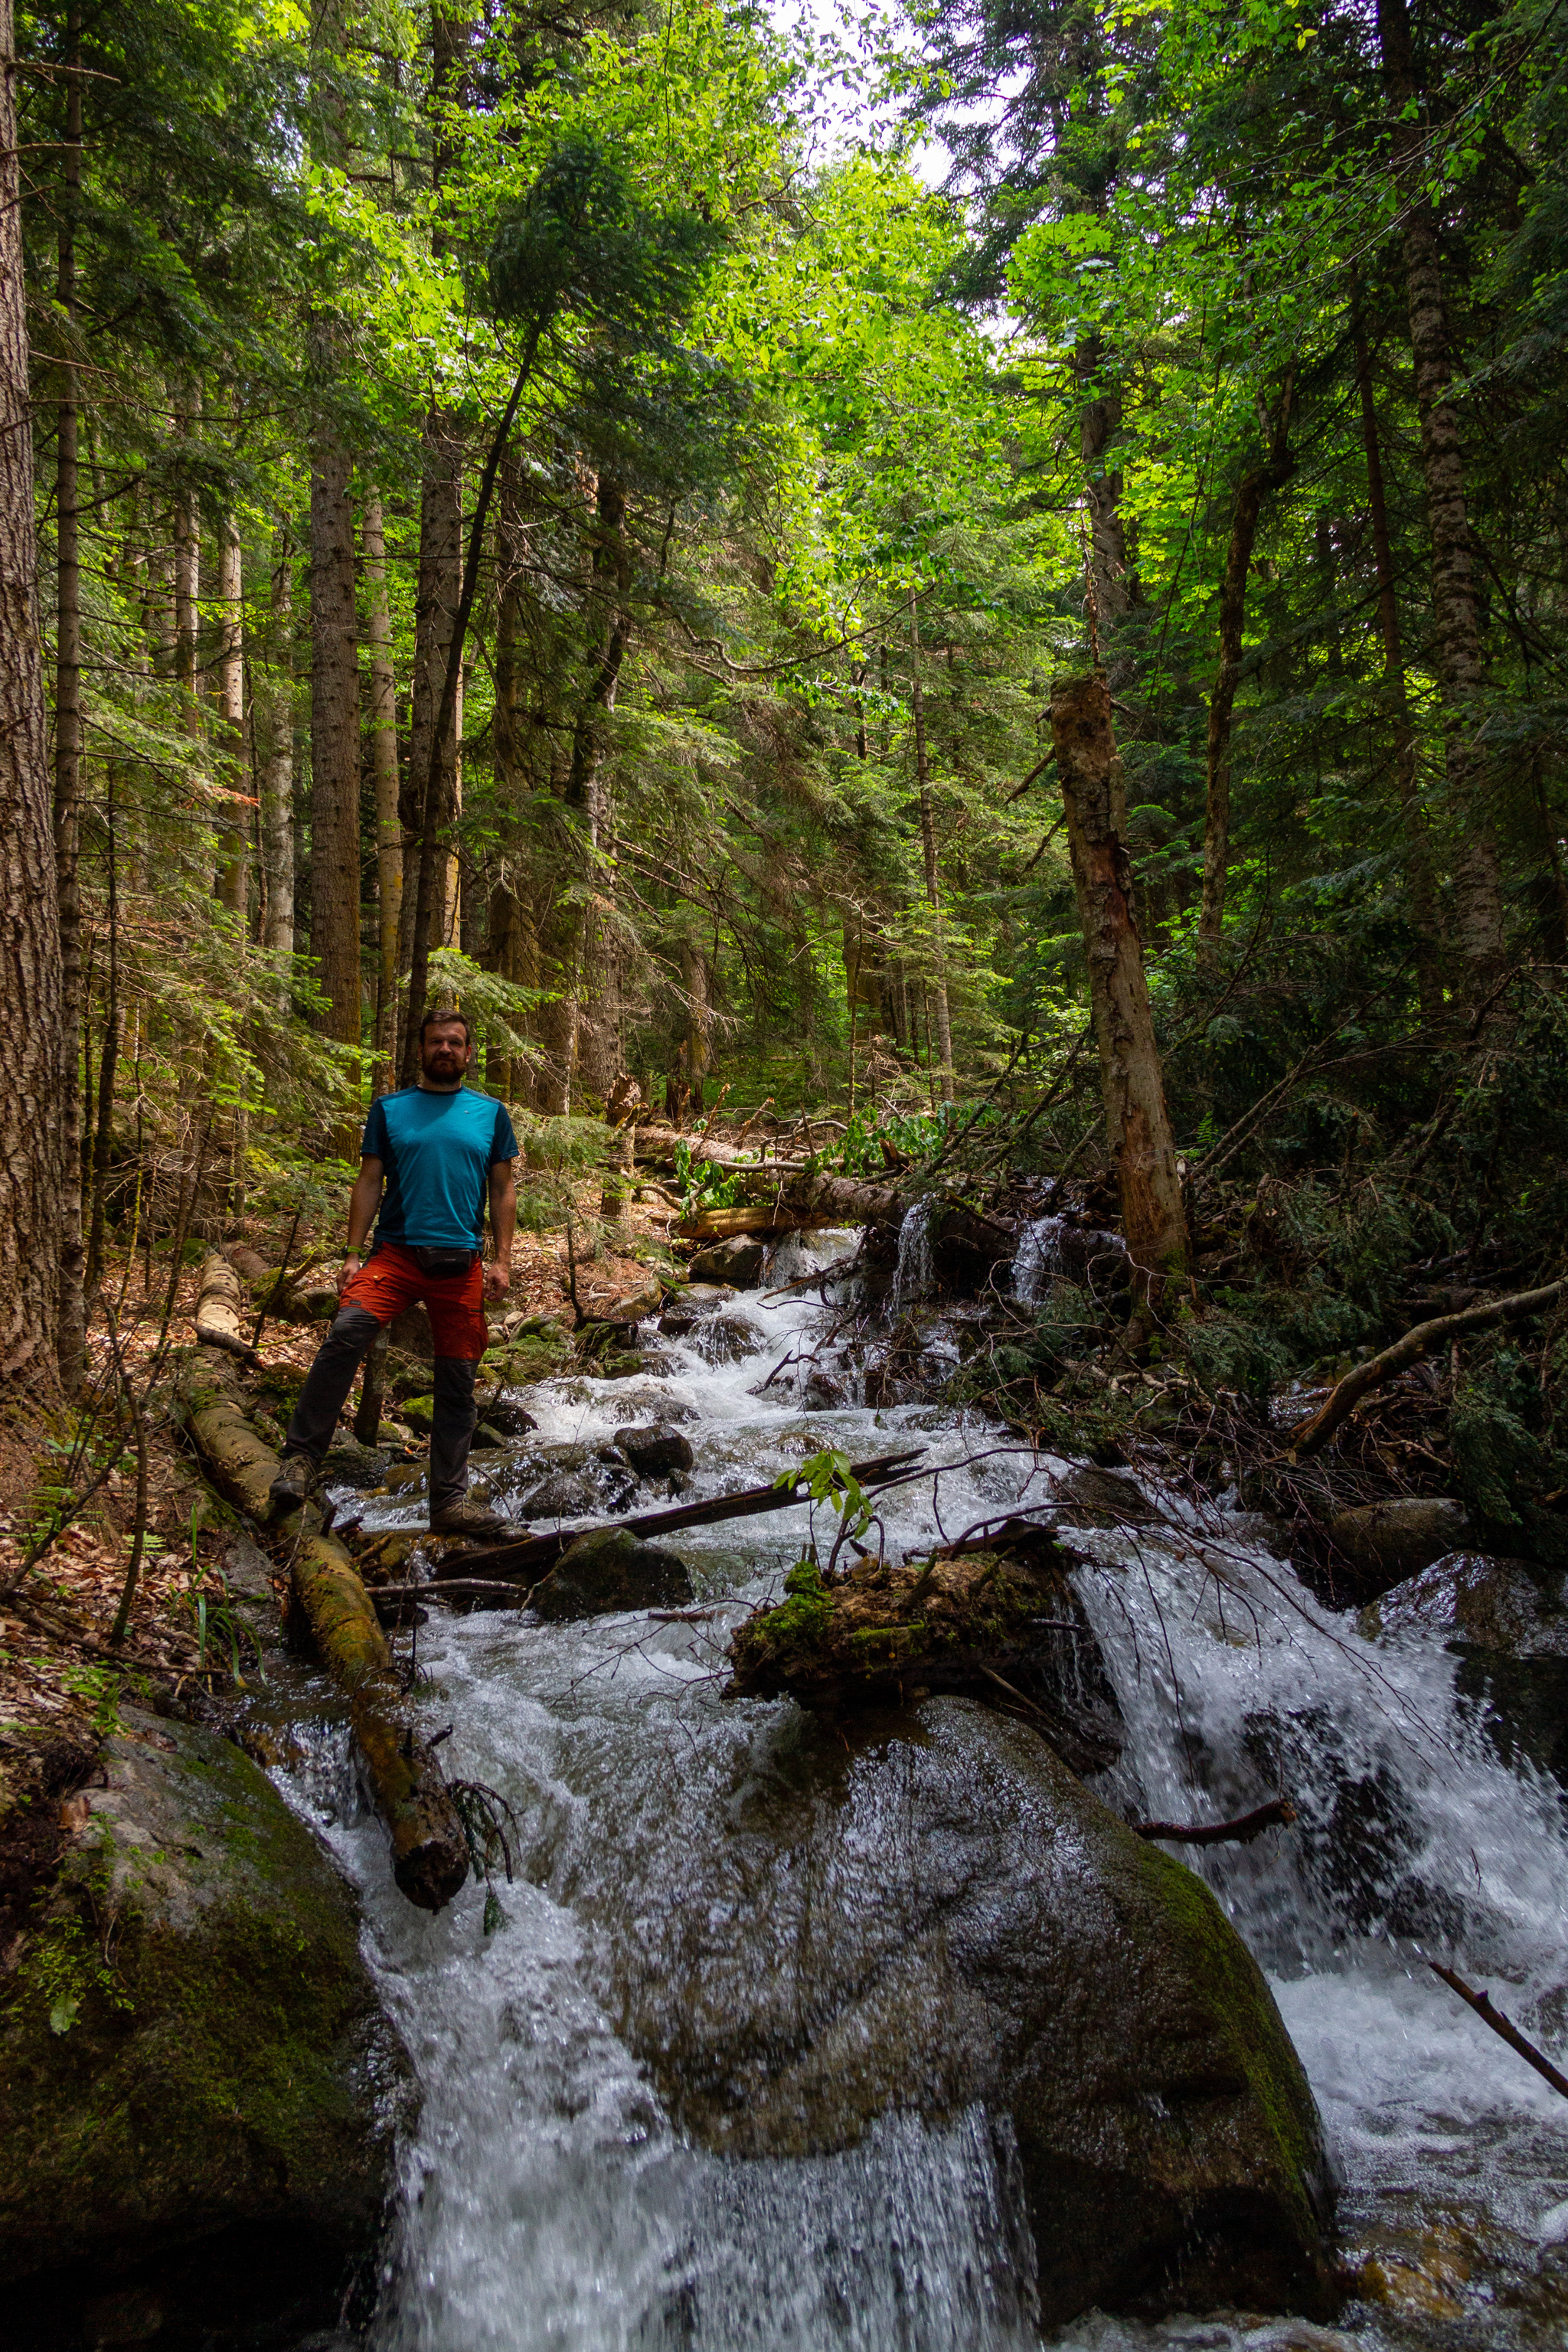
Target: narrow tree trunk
(234, 831)
(187, 573)
(104, 1135)
(1255, 486)
(35, 1168)
(928, 845)
(437, 595)
(1418, 847)
(69, 735)
(565, 946)
(383, 760)
(1111, 574)
(1138, 1126)
(334, 740)
(1455, 601)
(276, 779)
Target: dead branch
(1504, 2027)
(1278, 1813)
(1309, 1436)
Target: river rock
(610, 1570)
(1385, 1542)
(192, 2048)
(727, 1340)
(1103, 1499)
(656, 1452)
(738, 1262)
(1498, 1605)
(690, 1306)
(633, 1304)
(946, 1917)
(504, 1414)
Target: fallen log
(219, 1302)
(1309, 1436)
(760, 1217)
(241, 1465)
(429, 1850)
(1278, 1813)
(529, 1556)
(1504, 2027)
(970, 1622)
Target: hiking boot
(291, 1490)
(463, 1518)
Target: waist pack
(447, 1263)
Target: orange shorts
(391, 1279)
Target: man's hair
(442, 1020)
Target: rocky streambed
(883, 2028)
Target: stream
(549, 2205)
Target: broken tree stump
(978, 1623)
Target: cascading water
(549, 2202)
(915, 1270)
(1039, 1259)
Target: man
(439, 1148)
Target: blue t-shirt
(437, 1151)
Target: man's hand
(353, 1261)
(498, 1279)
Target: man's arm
(363, 1202)
(503, 1226)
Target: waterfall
(1039, 1259)
(915, 1271)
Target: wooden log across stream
(534, 1556)
(429, 1849)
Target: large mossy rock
(946, 1916)
(191, 2045)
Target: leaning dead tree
(1137, 1123)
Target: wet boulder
(610, 1570)
(932, 1913)
(634, 1303)
(692, 1305)
(1092, 1498)
(657, 1452)
(1383, 1543)
(503, 1413)
(1507, 1606)
(727, 1340)
(192, 2047)
(739, 1262)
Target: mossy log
(220, 1309)
(241, 1464)
(429, 1851)
(1001, 1624)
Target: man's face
(445, 1052)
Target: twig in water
(1278, 1813)
(1503, 2027)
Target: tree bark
(1138, 1126)
(69, 732)
(35, 1167)
(233, 832)
(383, 760)
(928, 850)
(566, 943)
(1458, 635)
(1111, 573)
(334, 739)
(1255, 486)
(276, 779)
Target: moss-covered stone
(610, 1570)
(952, 1918)
(191, 2041)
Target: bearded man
(434, 1154)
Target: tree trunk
(1418, 847)
(68, 740)
(233, 832)
(383, 760)
(1138, 1126)
(104, 1136)
(276, 781)
(927, 846)
(187, 573)
(1255, 486)
(334, 740)
(1111, 574)
(566, 943)
(1455, 601)
(35, 1168)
